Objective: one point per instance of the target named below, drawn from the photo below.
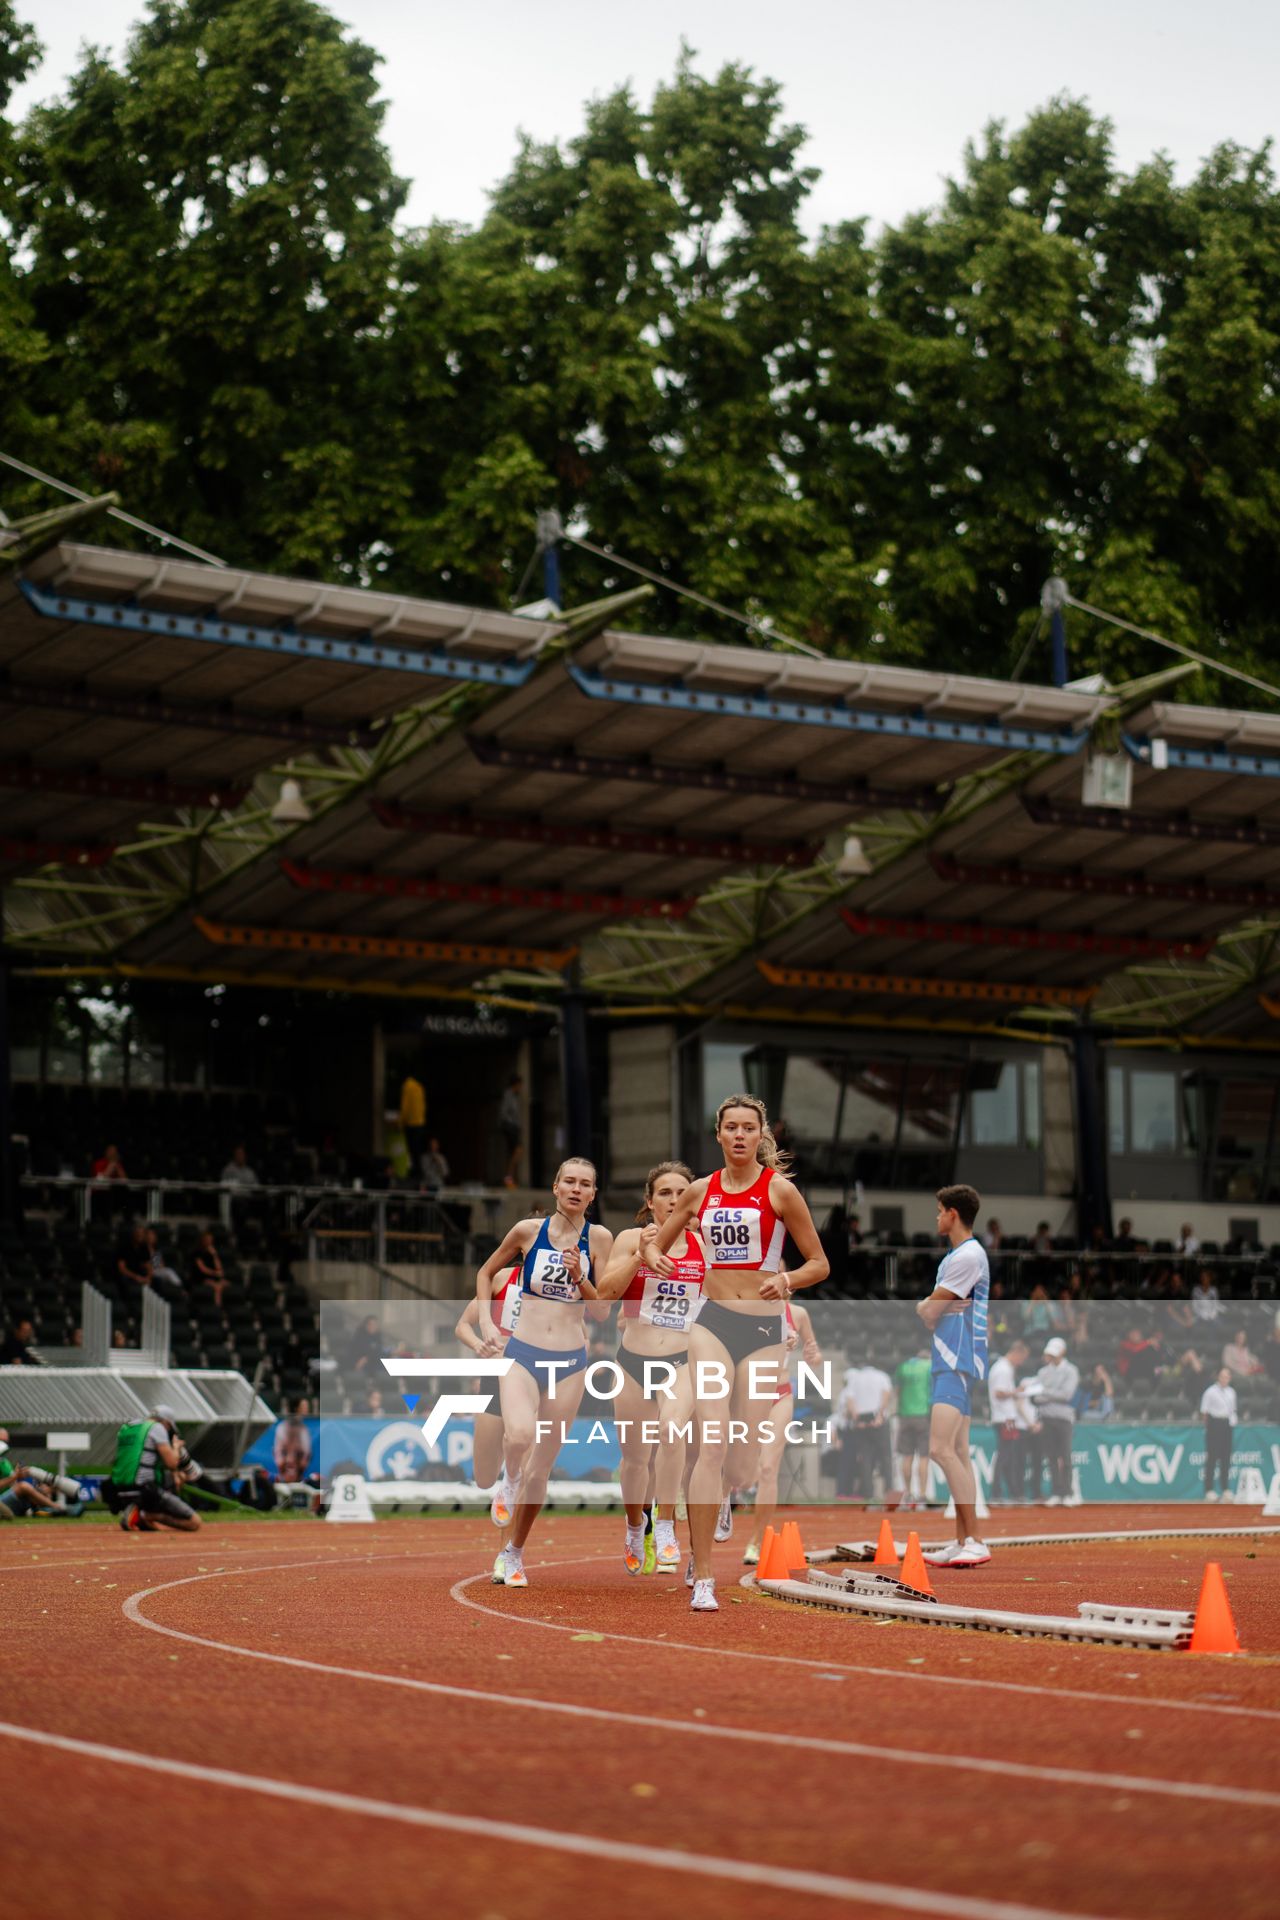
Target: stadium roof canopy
(499, 803)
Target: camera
(56, 1483)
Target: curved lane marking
(752, 1873)
(611, 1716)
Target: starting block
(349, 1501)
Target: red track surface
(730, 1764)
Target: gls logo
(449, 1404)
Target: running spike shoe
(724, 1520)
(704, 1597)
(514, 1574)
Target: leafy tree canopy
(882, 443)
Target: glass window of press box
(1210, 1132)
(887, 1117)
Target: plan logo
(449, 1404)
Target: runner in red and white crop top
(741, 1229)
(745, 1212)
(653, 1406)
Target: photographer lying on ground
(27, 1489)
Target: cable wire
(1175, 646)
(690, 593)
(114, 513)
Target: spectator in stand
(1188, 1244)
(109, 1166)
(1098, 1241)
(1177, 1308)
(164, 1280)
(1205, 1302)
(1096, 1400)
(209, 1268)
(366, 1347)
(133, 1263)
(1042, 1240)
(117, 1338)
(1124, 1240)
(238, 1172)
(913, 1380)
(511, 1127)
(373, 1408)
(413, 1123)
(291, 1445)
(15, 1348)
(1220, 1413)
(1237, 1358)
(993, 1236)
(1010, 1418)
(1037, 1316)
(1056, 1409)
(865, 1405)
(1137, 1358)
(1063, 1318)
(435, 1168)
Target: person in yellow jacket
(413, 1122)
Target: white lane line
(795, 1742)
(665, 1645)
(753, 1873)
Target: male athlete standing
(956, 1315)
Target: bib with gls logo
(733, 1235)
(545, 1276)
(673, 1304)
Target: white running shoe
(1212, 1494)
(1054, 1500)
(668, 1547)
(942, 1556)
(724, 1520)
(633, 1550)
(1074, 1500)
(514, 1575)
(751, 1558)
(704, 1597)
(688, 1572)
(1228, 1495)
(499, 1575)
(972, 1553)
(503, 1502)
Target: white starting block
(1251, 1488)
(349, 1501)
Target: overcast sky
(888, 92)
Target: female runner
(560, 1258)
(744, 1214)
(800, 1336)
(661, 1298)
(486, 1444)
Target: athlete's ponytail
(768, 1153)
(644, 1213)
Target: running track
(353, 1722)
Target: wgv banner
(1113, 1462)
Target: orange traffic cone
(793, 1548)
(773, 1565)
(914, 1573)
(1214, 1630)
(886, 1547)
(766, 1548)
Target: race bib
(733, 1235)
(509, 1310)
(671, 1303)
(548, 1278)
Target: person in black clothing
(15, 1348)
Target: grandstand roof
(494, 797)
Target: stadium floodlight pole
(550, 528)
(1054, 596)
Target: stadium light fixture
(853, 863)
(290, 810)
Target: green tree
(211, 232)
(21, 345)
